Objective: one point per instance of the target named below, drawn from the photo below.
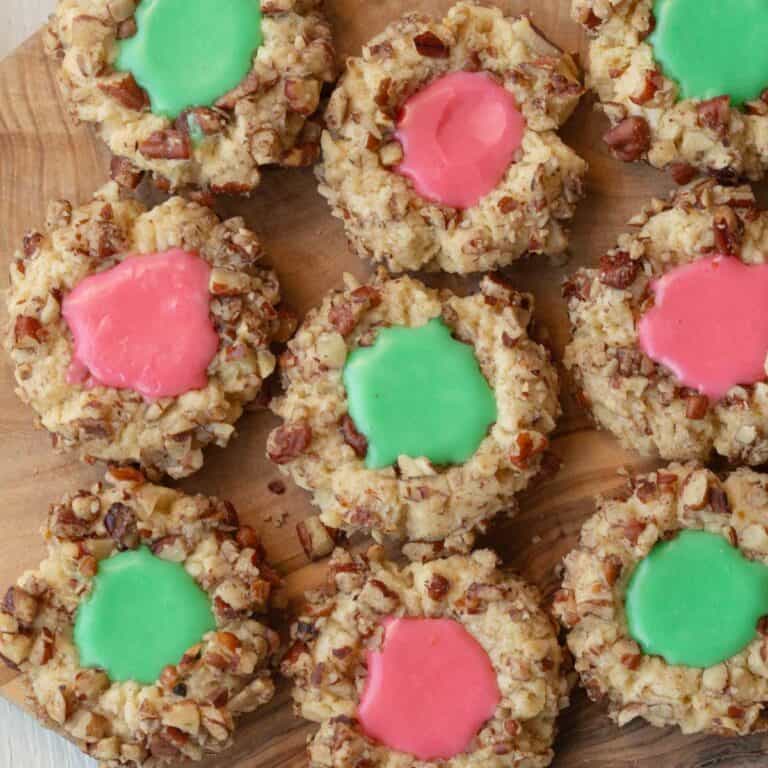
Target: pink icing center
(429, 689)
(144, 325)
(709, 325)
(459, 136)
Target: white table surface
(23, 744)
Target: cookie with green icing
(414, 413)
(148, 600)
(682, 82)
(665, 600)
(197, 93)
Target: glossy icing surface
(430, 688)
(713, 47)
(419, 392)
(143, 614)
(696, 600)
(189, 53)
(709, 324)
(459, 136)
(144, 325)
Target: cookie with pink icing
(441, 149)
(400, 665)
(670, 332)
(139, 336)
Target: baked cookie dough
(692, 268)
(344, 665)
(697, 657)
(234, 297)
(197, 103)
(414, 414)
(684, 83)
(525, 206)
(123, 551)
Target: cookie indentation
(143, 614)
(713, 47)
(144, 325)
(696, 600)
(189, 53)
(709, 324)
(459, 136)
(430, 688)
(419, 392)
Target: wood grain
(43, 156)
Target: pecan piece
(31, 243)
(437, 587)
(352, 437)
(630, 139)
(729, 231)
(27, 327)
(618, 270)
(209, 121)
(654, 82)
(120, 522)
(682, 173)
(430, 45)
(125, 173)
(288, 442)
(317, 539)
(715, 114)
(21, 605)
(696, 407)
(125, 91)
(166, 145)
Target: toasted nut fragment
(356, 440)
(42, 648)
(696, 490)
(715, 114)
(166, 145)
(235, 594)
(317, 540)
(696, 407)
(14, 649)
(88, 726)
(228, 282)
(630, 139)
(120, 522)
(618, 270)
(90, 684)
(303, 95)
(430, 45)
(288, 442)
(185, 716)
(28, 329)
(729, 230)
(57, 706)
(21, 605)
(125, 173)
(218, 722)
(438, 587)
(391, 154)
(124, 89)
(682, 173)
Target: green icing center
(696, 600)
(419, 392)
(143, 614)
(189, 53)
(713, 47)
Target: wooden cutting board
(43, 156)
